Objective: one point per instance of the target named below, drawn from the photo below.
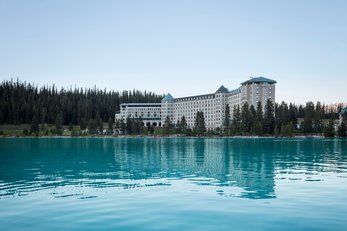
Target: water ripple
(173, 184)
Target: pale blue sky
(181, 47)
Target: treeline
(22, 102)
(281, 119)
(135, 126)
(271, 120)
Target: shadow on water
(28, 165)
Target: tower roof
(222, 89)
(259, 79)
(168, 97)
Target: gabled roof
(168, 97)
(195, 97)
(236, 91)
(222, 89)
(259, 79)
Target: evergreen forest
(22, 102)
(25, 103)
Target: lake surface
(173, 184)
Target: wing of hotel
(252, 91)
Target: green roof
(222, 89)
(168, 97)
(194, 97)
(259, 79)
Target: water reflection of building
(229, 163)
(251, 165)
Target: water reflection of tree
(249, 164)
(252, 168)
(199, 151)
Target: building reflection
(228, 163)
(249, 165)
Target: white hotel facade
(212, 105)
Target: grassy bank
(23, 130)
(13, 130)
(48, 130)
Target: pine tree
(70, 126)
(236, 121)
(99, 123)
(329, 130)
(59, 124)
(269, 118)
(276, 132)
(178, 126)
(183, 125)
(293, 115)
(342, 130)
(253, 118)
(150, 130)
(137, 125)
(258, 125)
(226, 122)
(167, 126)
(286, 130)
(308, 119)
(282, 115)
(92, 126)
(83, 124)
(34, 128)
(129, 126)
(199, 127)
(317, 118)
(110, 125)
(245, 119)
(122, 126)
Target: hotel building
(252, 91)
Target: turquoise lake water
(173, 184)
